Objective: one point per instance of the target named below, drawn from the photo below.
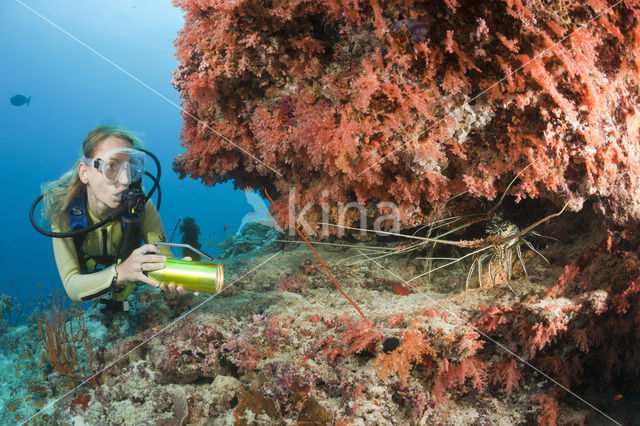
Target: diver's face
(103, 196)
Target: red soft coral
(369, 89)
(548, 409)
(360, 336)
(507, 375)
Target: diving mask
(115, 163)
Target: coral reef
(564, 351)
(252, 239)
(413, 102)
(410, 103)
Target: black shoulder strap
(131, 231)
(135, 203)
(77, 214)
(131, 236)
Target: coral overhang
(413, 102)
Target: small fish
(19, 100)
(225, 227)
(618, 397)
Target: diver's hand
(141, 259)
(177, 289)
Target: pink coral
(410, 103)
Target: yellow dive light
(191, 275)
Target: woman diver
(109, 259)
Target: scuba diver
(100, 215)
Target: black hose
(114, 214)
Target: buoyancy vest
(131, 237)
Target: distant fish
(18, 100)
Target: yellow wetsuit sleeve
(79, 286)
(95, 285)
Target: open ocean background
(73, 90)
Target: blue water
(73, 89)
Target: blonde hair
(59, 193)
